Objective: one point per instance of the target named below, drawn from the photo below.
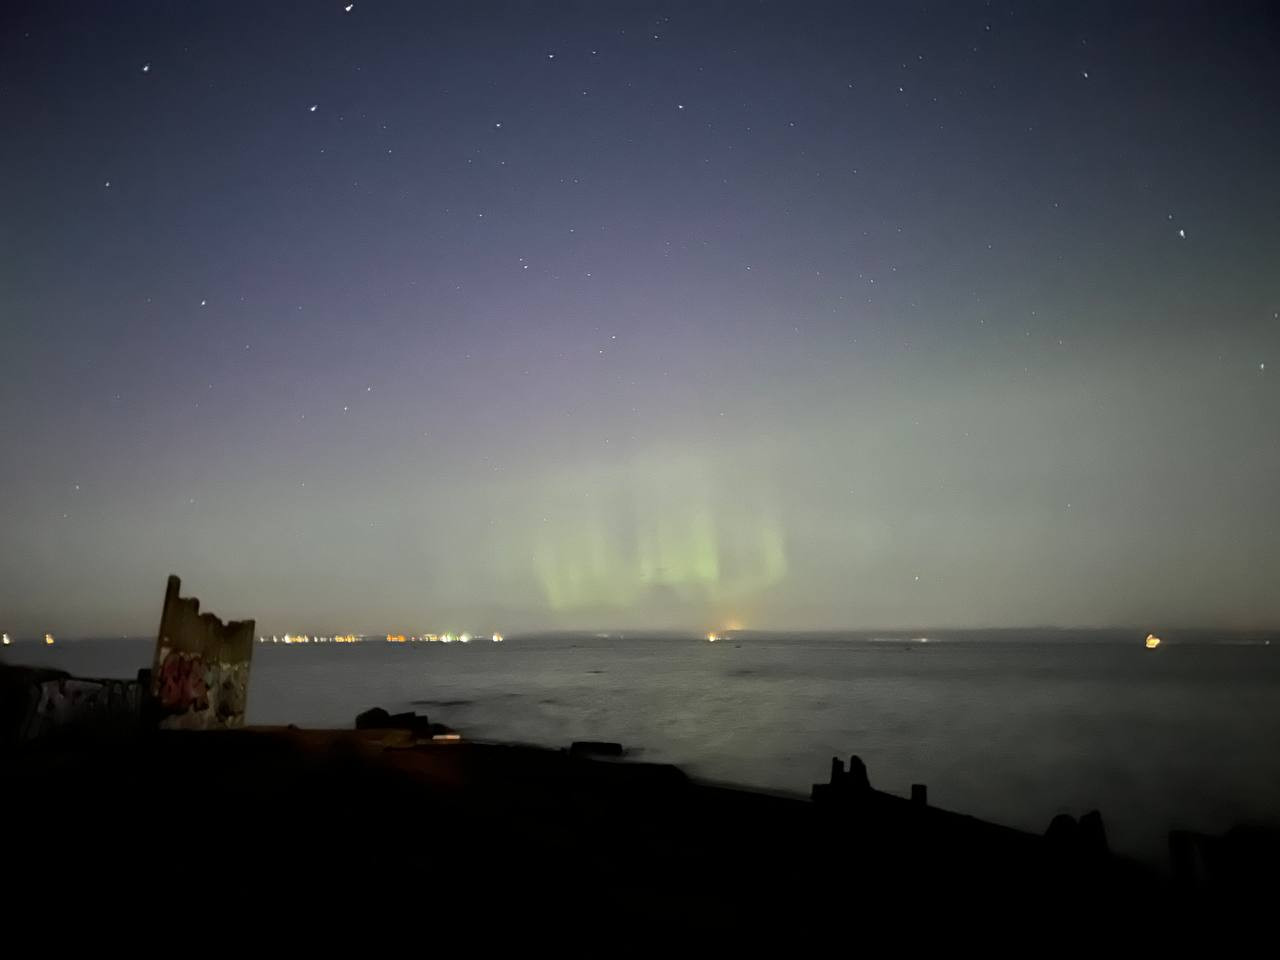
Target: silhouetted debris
(1093, 835)
(846, 786)
(416, 724)
(374, 718)
(40, 703)
(595, 748)
(1083, 839)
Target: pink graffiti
(182, 685)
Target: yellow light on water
(497, 638)
(712, 638)
(1152, 641)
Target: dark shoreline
(399, 799)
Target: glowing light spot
(497, 638)
(1152, 641)
(48, 639)
(712, 638)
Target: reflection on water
(1012, 731)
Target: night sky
(415, 316)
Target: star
(146, 68)
(313, 107)
(107, 184)
(348, 8)
(1085, 74)
(1182, 233)
(203, 302)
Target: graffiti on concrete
(69, 704)
(200, 678)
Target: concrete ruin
(42, 704)
(200, 675)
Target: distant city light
(296, 638)
(6, 641)
(48, 639)
(1152, 641)
(712, 638)
(292, 638)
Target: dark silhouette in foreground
(401, 803)
(396, 804)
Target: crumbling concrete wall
(200, 676)
(37, 704)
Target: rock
(375, 719)
(1062, 831)
(1092, 834)
(856, 780)
(378, 719)
(595, 748)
